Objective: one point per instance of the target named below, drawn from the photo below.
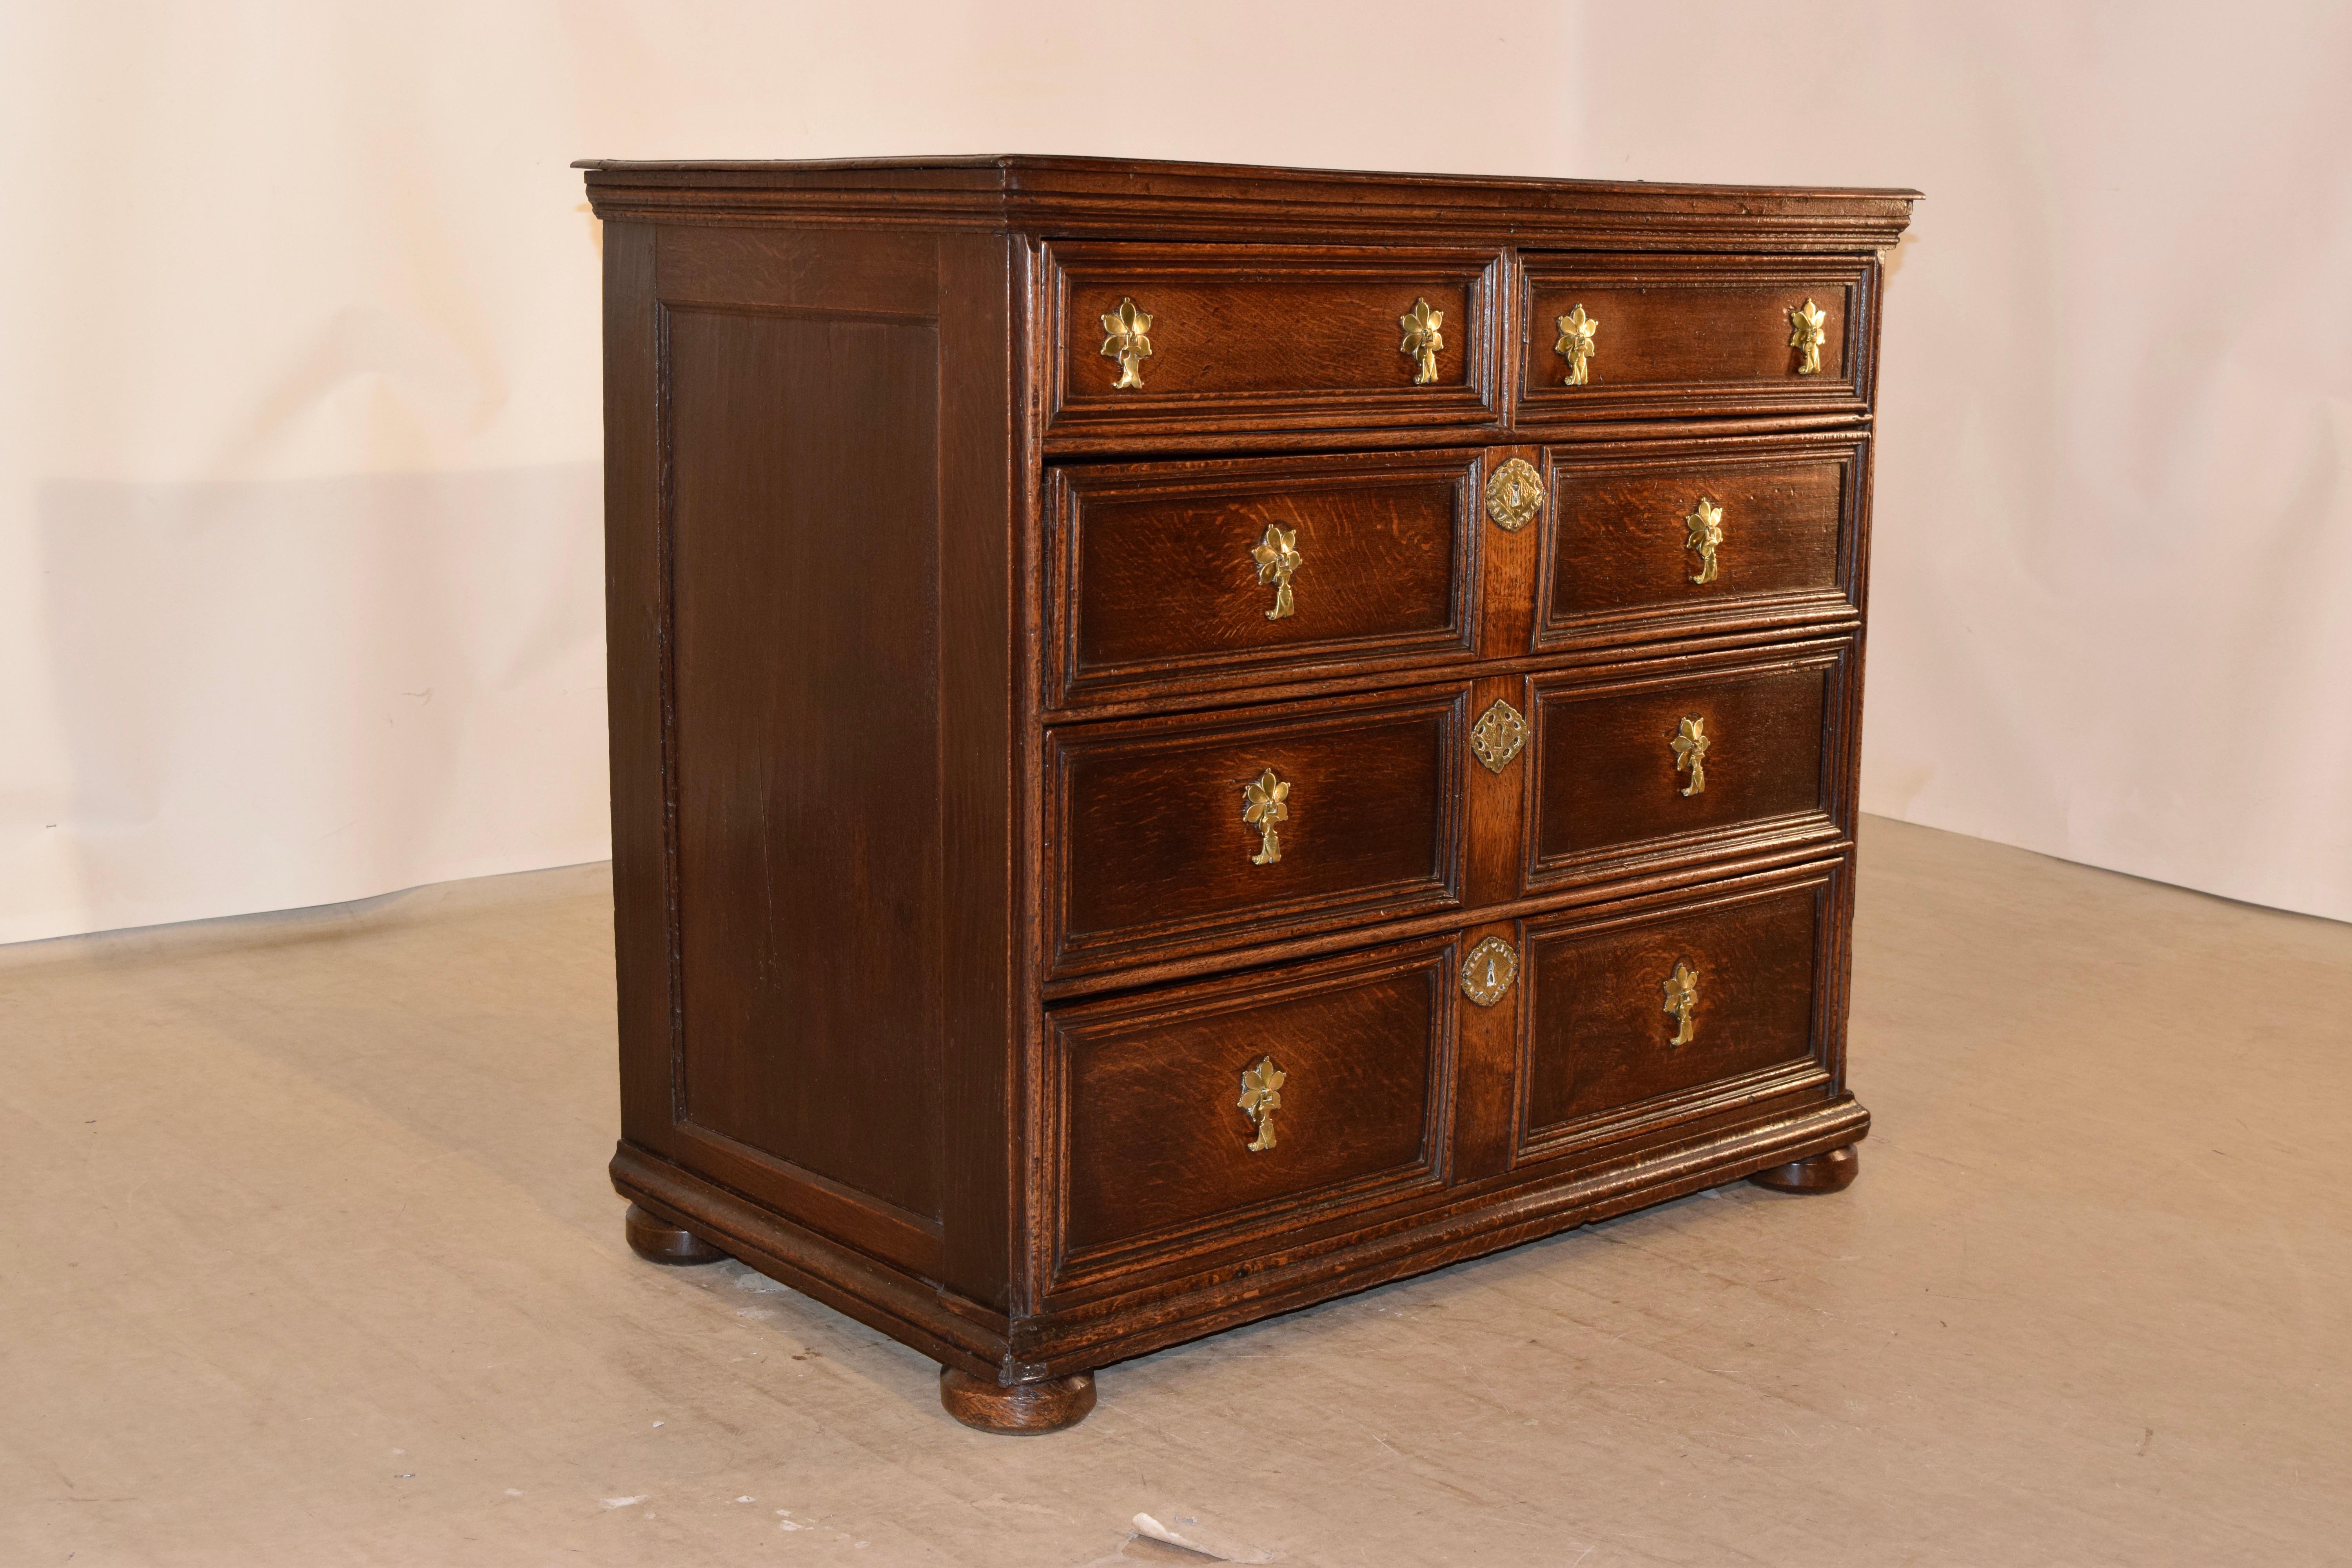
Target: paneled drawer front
(1178, 836)
(1243, 338)
(1654, 539)
(1708, 1005)
(1682, 762)
(1694, 336)
(1229, 1111)
(1199, 573)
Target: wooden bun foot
(659, 1241)
(1021, 1409)
(1830, 1172)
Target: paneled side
(807, 722)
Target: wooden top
(1140, 198)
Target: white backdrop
(299, 551)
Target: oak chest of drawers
(1189, 739)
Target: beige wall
(299, 564)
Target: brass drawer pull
(1805, 332)
(1576, 329)
(1423, 340)
(1125, 340)
(1489, 970)
(1265, 802)
(1690, 753)
(1498, 736)
(1514, 494)
(1682, 996)
(1705, 524)
(1277, 557)
(1261, 1097)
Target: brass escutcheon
(1514, 494)
(1125, 340)
(1498, 736)
(1261, 1097)
(1489, 970)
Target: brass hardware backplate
(1489, 970)
(1265, 802)
(1690, 753)
(1277, 558)
(1125, 340)
(1261, 1097)
(1576, 329)
(1682, 995)
(1514, 494)
(1705, 524)
(1423, 340)
(1806, 332)
(1498, 736)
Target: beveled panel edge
(1472, 1221)
(1219, 1235)
(1180, 939)
(1564, 1140)
(1071, 694)
(809, 1198)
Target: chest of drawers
(1189, 739)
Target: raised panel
(1620, 562)
(805, 742)
(1604, 1053)
(1265, 338)
(1609, 786)
(1155, 1152)
(1693, 335)
(1151, 854)
(1156, 583)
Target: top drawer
(1620, 336)
(1205, 339)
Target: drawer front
(1243, 338)
(1233, 1111)
(1683, 762)
(1653, 542)
(1181, 835)
(1694, 335)
(1710, 1005)
(1196, 573)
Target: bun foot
(1022, 1408)
(1830, 1172)
(659, 1241)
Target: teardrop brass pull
(1690, 745)
(1277, 557)
(1807, 332)
(1705, 524)
(1682, 996)
(1576, 329)
(1423, 340)
(1125, 340)
(1261, 1097)
(1265, 802)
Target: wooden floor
(309, 1260)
